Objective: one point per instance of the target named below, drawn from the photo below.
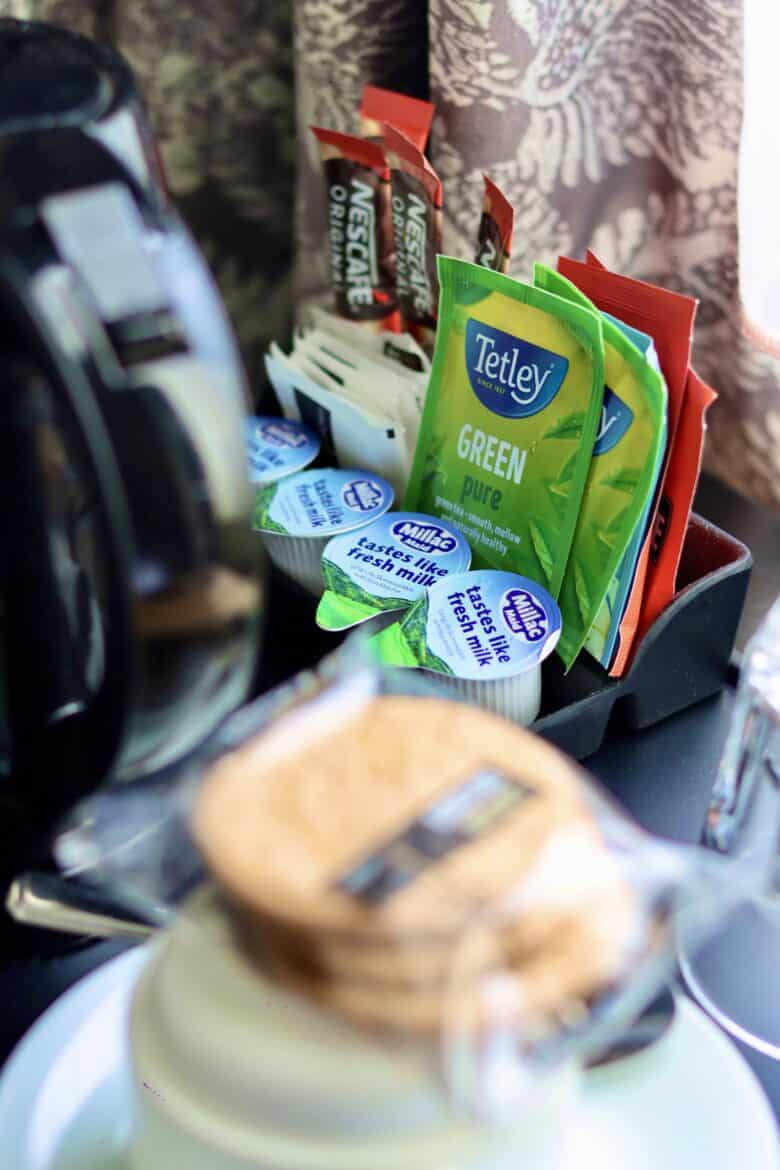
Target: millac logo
(362, 495)
(278, 435)
(523, 614)
(425, 538)
(615, 420)
(510, 376)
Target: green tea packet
(510, 419)
(602, 641)
(387, 566)
(622, 473)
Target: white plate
(689, 1103)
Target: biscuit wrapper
(461, 892)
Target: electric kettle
(131, 593)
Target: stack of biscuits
(414, 863)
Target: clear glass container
(734, 976)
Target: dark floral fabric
(608, 124)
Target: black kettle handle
(61, 746)
(43, 687)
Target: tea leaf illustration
(582, 592)
(618, 520)
(568, 427)
(623, 480)
(608, 535)
(559, 488)
(542, 549)
(559, 493)
(566, 474)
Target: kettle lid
(50, 76)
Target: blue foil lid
(277, 447)
(322, 502)
(487, 624)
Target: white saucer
(689, 1103)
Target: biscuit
(413, 864)
(286, 822)
(522, 922)
(537, 992)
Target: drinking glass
(735, 976)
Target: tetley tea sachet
(510, 419)
(622, 476)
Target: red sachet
(360, 232)
(411, 116)
(494, 237)
(668, 318)
(682, 475)
(416, 204)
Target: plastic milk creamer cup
(277, 447)
(510, 419)
(387, 566)
(484, 634)
(298, 515)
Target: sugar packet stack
(361, 391)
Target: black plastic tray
(683, 658)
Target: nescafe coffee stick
(360, 231)
(416, 206)
(494, 239)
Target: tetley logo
(616, 418)
(425, 538)
(511, 376)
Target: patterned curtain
(613, 124)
